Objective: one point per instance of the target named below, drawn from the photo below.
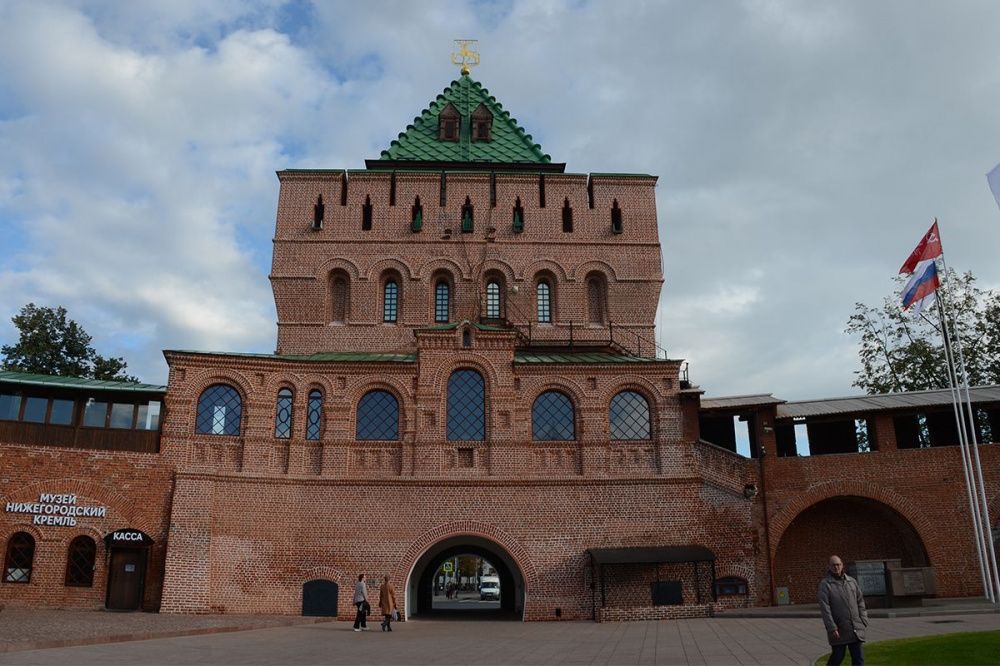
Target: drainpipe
(767, 527)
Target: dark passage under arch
(421, 583)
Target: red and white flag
(921, 289)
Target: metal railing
(617, 338)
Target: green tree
(900, 351)
(52, 344)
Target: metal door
(126, 574)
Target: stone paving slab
(36, 628)
(709, 641)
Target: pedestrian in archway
(387, 603)
(842, 607)
(361, 601)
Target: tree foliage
(900, 351)
(52, 344)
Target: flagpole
(986, 527)
(962, 444)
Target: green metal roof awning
(321, 357)
(78, 383)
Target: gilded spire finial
(466, 55)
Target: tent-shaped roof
(509, 144)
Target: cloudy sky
(803, 149)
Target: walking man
(844, 614)
(361, 601)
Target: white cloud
(802, 151)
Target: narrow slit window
(366, 215)
(314, 415)
(493, 305)
(567, 217)
(442, 302)
(318, 211)
(283, 414)
(390, 302)
(518, 225)
(616, 218)
(467, 213)
(544, 300)
(417, 216)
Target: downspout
(767, 526)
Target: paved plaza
(732, 640)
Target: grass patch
(981, 648)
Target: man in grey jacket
(843, 609)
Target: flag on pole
(929, 247)
(921, 289)
(993, 178)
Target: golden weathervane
(466, 56)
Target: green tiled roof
(83, 383)
(322, 357)
(585, 357)
(509, 143)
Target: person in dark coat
(361, 601)
(842, 607)
(387, 603)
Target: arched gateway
(420, 580)
(856, 528)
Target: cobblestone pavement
(697, 641)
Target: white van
(489, 588)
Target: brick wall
(906, 504)
(304, 258)
(135, 488)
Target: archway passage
(856, 528)
(427, 597)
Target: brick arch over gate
(781, 521)
(474, 529)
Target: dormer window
(482, 123)
(448, 123)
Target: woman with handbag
(361, 601)
(387, 603)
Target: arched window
(730, 586)
(390, 300)
(340, 297)
(283, 414)
(466, 407)
(19, 558)
(314, 415)
(494, 305)
(442, 301)
(543, 298)
(219, 411)
(597, 299)
(629, 416)
(80, 562)
(378, 416)
(553, 418)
